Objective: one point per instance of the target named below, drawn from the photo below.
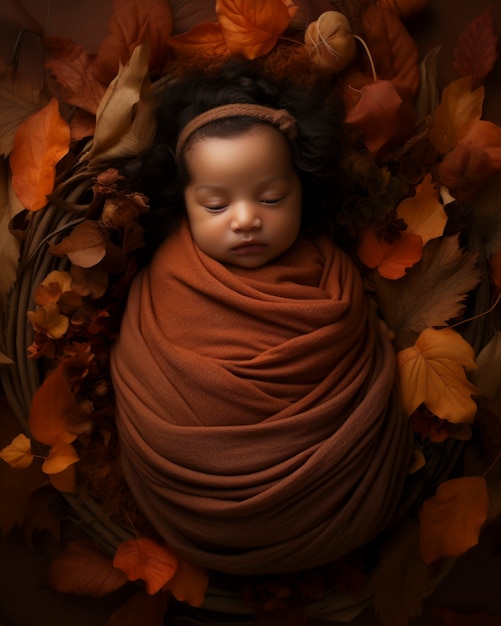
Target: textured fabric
(259, 426)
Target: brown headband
(281, 118)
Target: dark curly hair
(317, 149)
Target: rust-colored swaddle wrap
(255, 408)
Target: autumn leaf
(459, 104)
(401, 574)
(423, 213)
(189, 583)
(131, 24)
(141, 608)
(54, 413)
(61, 456)
(40, 143)
(125, 123)
(85, 246)
(451, 521)
(18, 453)
(384, 113)
(475, 53)
(89, 282)
(251, 29)
(71, 66)
(146, 560)
(84, 570)
(390, 259)
(433, 372)
(18, 101)
(482, 135)
(464, 170)
(65, 481)
(48, 320)
(52, 287)
(204, 40)
(432, 293)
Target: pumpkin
(330, 42)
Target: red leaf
(390, 259)
(145, 559)
(476, 53)
(82, 569)
(383, 113)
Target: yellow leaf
(18, 453)
(450, 521)
(40, 143)
(48, 320)
(433, 372)
(424, 213)
(251, 29)
(458, 105)
(61, 456)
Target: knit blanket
(259, 425)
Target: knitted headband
(280, 118)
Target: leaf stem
(476, 317)
(369, 56)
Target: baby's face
(243, 200)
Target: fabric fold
(259, 423)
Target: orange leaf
(85, 246)
(189, 584)
(433, 372)
(132, 23)
(82, 569)
(459, 104)
(424, 213)
(65, 481)
(18, 453)
(390, 259)
(464, 170)
(145, 559)
(61, 456)
(451, 521)
(251, 29)
(52, 287)
(383, 113)
(48, 320)
(476, 53)
(482, 135)
(40, 142)
(203, 40)
(72, 67)
(54, 410)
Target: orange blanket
(256, 411)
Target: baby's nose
(246, 216)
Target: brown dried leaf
(432, 292)
(85, 246)
(475, 53)
(84, 570)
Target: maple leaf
(251, 29)
(189, 583)
(204, 40)
(132, 23)
(390, 259)
(432, 293)
(401, 574)
(459, 104)
(451, 521)
(141, 608)
(82, 569)
(40, 143)
(61, 456)
(145, 559)
(85, 246)
(125, 123)
(18, 101)
(433, 372)
(384, 113)
(475, 53)
(48, 320)
(423, 213)
(54, 413)
(71, 66)
(18, 453)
